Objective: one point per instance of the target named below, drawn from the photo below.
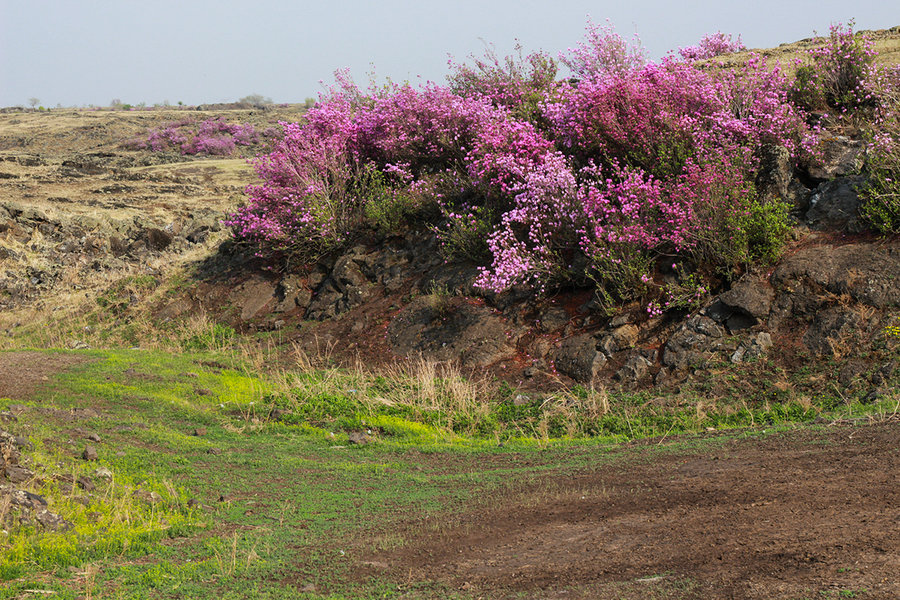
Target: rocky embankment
(830, 298)
(70, 221)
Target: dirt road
(800, 514)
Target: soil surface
(804, 514)
(23, 372)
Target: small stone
(93, 437)
(90, 453)
(52, 521)
(359, 438)
(203, 391)
(871, 397)
(85, 413)
(200, 431)
(280, 413)
(147, 496)
(28, 499)
(16, 474)
(86, 484)
(214, 451)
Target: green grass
(289, 504)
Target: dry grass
(887, 45)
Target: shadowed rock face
(451, 329)
(867, 272)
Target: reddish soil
(809, 514)
(23, 372)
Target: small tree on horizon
(256, 100)
(32, 102)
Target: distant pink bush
(212, 136)
(603, 53)
(712, 45)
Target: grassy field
(224, 483)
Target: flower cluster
(543, 180)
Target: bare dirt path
(23, 372)
(804, 514)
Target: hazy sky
(79, 52)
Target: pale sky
(80, 52)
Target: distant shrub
(256, 100)
(519, 83)
(213, 137)
(710, 46)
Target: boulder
(635, 369)
(291, 294)
(776, 172)
(692, 341)
(835, 331)
(158, 239)
(752, 350)
(835, 205)
(867, 272)
(841, 156)
(346, 288)
(253, 296)
(579, 358)
(621, 338)
(750, 296)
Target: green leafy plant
(386, 208)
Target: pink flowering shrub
(834, 74)
(542, 181)
(212, 137)
(307, 201)
(712, 45)
(881, 191)
(604, 52)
